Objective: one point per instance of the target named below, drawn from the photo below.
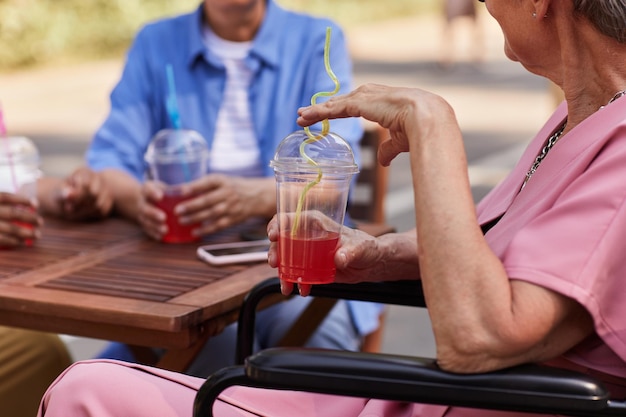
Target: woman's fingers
(286, 288)
(389, 149)
(304, 289)
(150, 217)
(10, 199)
(19, 220)
(337, 107)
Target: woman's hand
(85, 196)
(215, 202)
(361, 257)
(220, 201)
(151, 218)
(82, 195)
(19, 220)
(405, 112)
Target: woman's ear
(541, 8)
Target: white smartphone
(234, 253)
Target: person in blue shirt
(241, 68)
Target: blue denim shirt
(287, 59)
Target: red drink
(309, 261)
(176, 232)
(27, 242)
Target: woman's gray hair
(608, 16)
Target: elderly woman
(534, 274)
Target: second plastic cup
(19, 169)
(176, 157)
(311, 213)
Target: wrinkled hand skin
(360, 257)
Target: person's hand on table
(19, 220)
(82, 195)
(85, 196)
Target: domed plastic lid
(331, 153)
(22, 151)
(169, 145)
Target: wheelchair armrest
(526, 388)
(402, 378)
(406, 293)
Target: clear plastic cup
(19, 169)
(312, 184)
(175, 157)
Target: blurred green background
(39, 32)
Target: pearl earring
(534, 15)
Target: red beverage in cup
(176, 157)
(176, 232)
(307, 261)
(313, 173)
(27, 242)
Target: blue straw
(171, 105)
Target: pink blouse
(566, 230)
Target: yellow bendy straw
(311, 137)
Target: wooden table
(106, 280)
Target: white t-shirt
(235, 147)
